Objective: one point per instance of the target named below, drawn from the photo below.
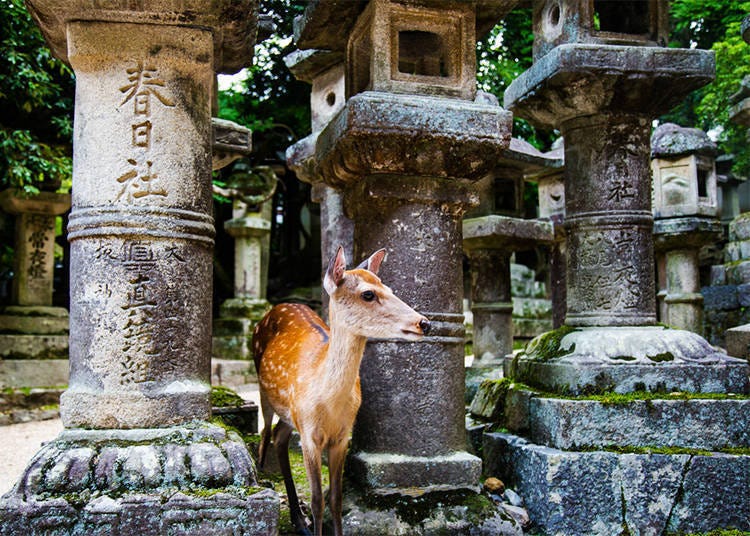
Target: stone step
(602, 493)
(713, 422)
(582, 424)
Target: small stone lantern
(684, 172)
(412, 48)
(685, 219)
(607, 22)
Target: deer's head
(362, 304)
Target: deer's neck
(345, 351)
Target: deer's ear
(335, 272)
(374, 262)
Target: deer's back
(290, 338)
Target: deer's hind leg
(281, 435)
(265, 438)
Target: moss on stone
(546, 347)
(224, 397)
(414, 510)
(716, 532)
(662, 357)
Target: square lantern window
(684, 187)
(412, 48)
(610, 22)
(508, 196)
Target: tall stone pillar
(33, 333)
(686, 214)
(592, 79)
(404, 149)
(141, 236)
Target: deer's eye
(368, 295)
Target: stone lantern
(686, 212)
(137, 447)
(250, 226)
(603, 97)
(33, 333)
(404, 150)
(489, 241)
(606, 22)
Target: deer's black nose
(425, 325)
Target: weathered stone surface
(376, 470)
(234, 24)
(649, 81)
(243, 512)
(230, 142)
(645, 492)
(502, 232)
(33, 348)
(34, 244)
(312, 29)
(738, 272)
(32, 320)
(411, 135)
(671, 140)
(721, 297)
(434, 512)
(739, 228)
(738, 341)
(671, 233)
(624, 359)
(147, 461)
(585, 424)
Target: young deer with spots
(309, 373)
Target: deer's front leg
(311, 452)
(336, 458)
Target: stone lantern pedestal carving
(33, 333)
(603, 98)
(686, 218)
(404, 150)
(137, 448)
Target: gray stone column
(33, 333)
(489, 242)
(409, 430)
(491, 304)
(141, 230)
(136, 441)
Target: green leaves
(36, 96)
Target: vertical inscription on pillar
(40, 231)
(150, 317)
(140, 178)
(605, 277)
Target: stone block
(585, 424)
(600, 493)
(232, 372)
(456, 470)
(739, 228)
(718, 275)
(722, 297)
(743, 294)
(33, 347)
(738, 272)
(738, 341)
(33, 372)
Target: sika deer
(309, 374)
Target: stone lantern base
(191, 479)
(622, 427)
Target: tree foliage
(36, 96)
